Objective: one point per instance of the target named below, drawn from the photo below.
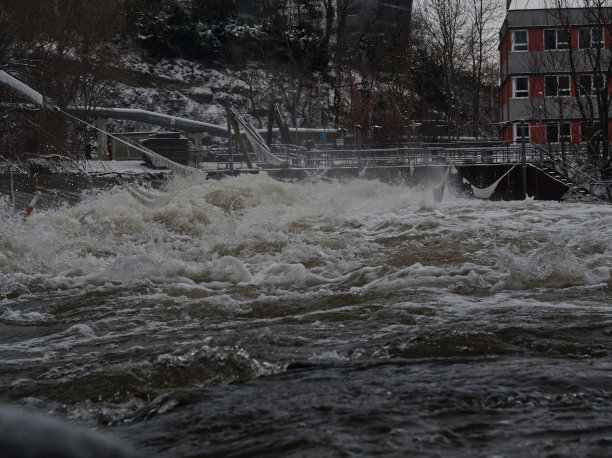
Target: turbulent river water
(251, 317)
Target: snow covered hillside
(183, 88)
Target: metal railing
(569, 170)
(412, 155)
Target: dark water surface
(248, 317)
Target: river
(250, 317)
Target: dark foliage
(209, 30)
(210, 11)
(169, 31)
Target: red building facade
(555, 75)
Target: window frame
(595, 128)
(515, 90)
(567, 89)
(515, 132)
(589, 132)
(592, 44)
(564, 44)
(565, 138)
(514, 47)
(592, 88)
(560, 136)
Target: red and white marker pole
(31, 206)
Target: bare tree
(446, 21)
(63, 51)
(590, 65)
(481, 41)
(340, 58)
(330, 12)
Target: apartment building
(555, 75)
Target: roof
(547, 17)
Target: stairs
(574, 191)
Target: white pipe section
(22, 88)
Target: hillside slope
(189, 89)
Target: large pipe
(22, 88)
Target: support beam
(228, 112)
(197, 138)
(284, 130)
(270, 123)
(240, 143)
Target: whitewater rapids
(252, 316)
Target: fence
(411, 155)
(573, 167)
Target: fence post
(541, 155)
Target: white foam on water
(329, 356)
(360, 236)
(221, 355)
(232, 279)
(22, 317)
(551, 266)
(230, 269)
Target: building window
(588, 130)
(556, 39)
(519, 130)
(519, 40)
(520, 87)
(588, 84)
(557, 86)
(559, 132)
(590, 38)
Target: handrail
(413, 155)
(563, 165)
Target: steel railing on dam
(417, 155)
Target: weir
(493, 171)
(491, 166)
(543, 176)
